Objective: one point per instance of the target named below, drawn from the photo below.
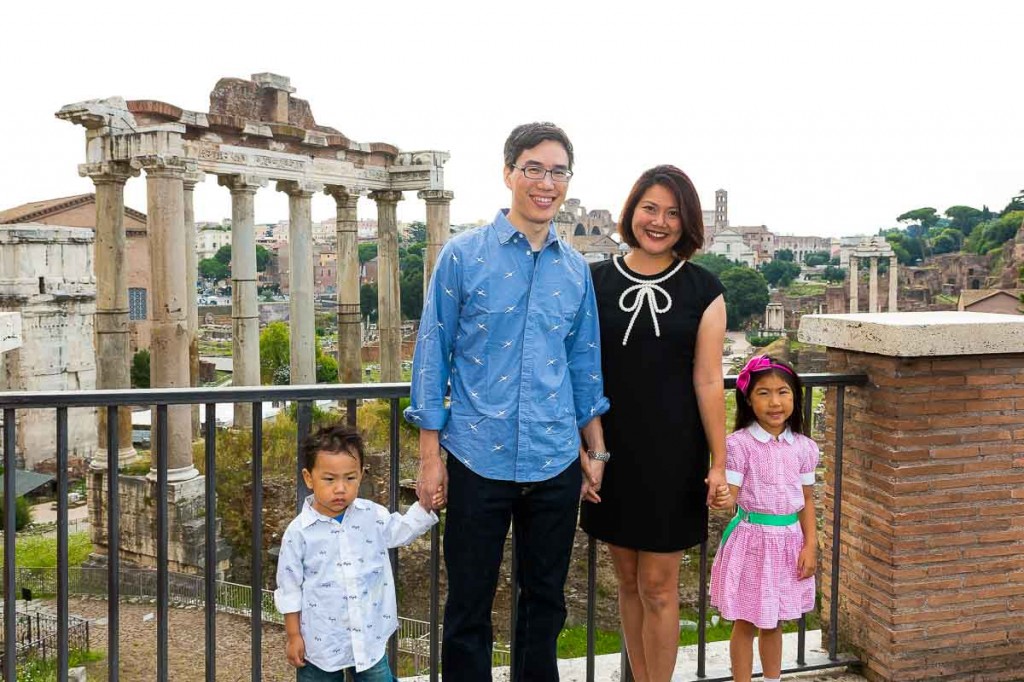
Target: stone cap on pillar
(924, 334)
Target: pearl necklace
(645, 290)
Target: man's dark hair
(338, 438)
(529, 135)
(679, 184)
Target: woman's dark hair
(336, 438)
(677, 182)
(529, 135)
(745, 414)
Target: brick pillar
(931, 580)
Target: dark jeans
(380, 672)
(476, 525)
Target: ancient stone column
(191, 178)
(873, 284)
(854, 281)
(438, 227)
(300, 279)
(245, 317)
(169, 361)
(893, 283)
(113, 358)
(349, 318)
(389, 297)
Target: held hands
(432, 480)
(593, 473)
(718, 490)
(296, 651)
(807, 561)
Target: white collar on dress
(758, 432)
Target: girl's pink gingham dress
(755, 576)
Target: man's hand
(593, 473)
(296, 651)
(432, 480)
(807, 561)
(716, 484)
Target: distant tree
(367, 252)
(275, 343)
(785, 254)
(368, 302)
(213, 269)
(780, 273)
(22, 512)
(964, 218)
(815, 258)
(947, 241)
(411, 284)
(262, 258)
(831, 273)
(326, 369)
(714, 263)
(909, 250)
(919, 220)
(417, 232)
(746, 294)
(224, 254)
(994, 233)
(140, 369)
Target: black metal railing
(304, 396)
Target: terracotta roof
(969, 297)
(33, 211)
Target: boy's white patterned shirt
(338, 576)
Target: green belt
(758, 518)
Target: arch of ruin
(255, 132)
(873, 249)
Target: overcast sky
(817, 117)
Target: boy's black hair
(337, 438)
(745, 414)
(529, 135)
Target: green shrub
(22, 513)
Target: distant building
(801, 245)
(729, 243)
(79, 211)
(1003, 301)
(210, 240)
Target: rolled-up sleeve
(583, 353)
(432, 361)
(288, 595)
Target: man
(510, 323)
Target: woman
(662, 329)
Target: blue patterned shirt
(517, 339)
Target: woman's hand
(593, 473)
(807, 561)
(718, 489)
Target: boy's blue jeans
(380, 672)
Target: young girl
(764, 570)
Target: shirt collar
(758, 432)
(506, 230)
(309, 516)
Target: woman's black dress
(653, 492)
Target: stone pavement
(606, 667)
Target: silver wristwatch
(599, 456)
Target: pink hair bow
(758, 363)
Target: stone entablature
(48, 302)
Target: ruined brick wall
(932, 534)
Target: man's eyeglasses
(538, 173)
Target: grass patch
(572, 641)
(40, 551)
(805, 289)
(45, 670)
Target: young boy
(334, 581)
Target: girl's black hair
(745, 414)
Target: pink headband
(758, 363)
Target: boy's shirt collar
(758, 432)
(309, 515)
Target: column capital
(299, 188)
(107, 172)
(344, 194)
(386, 196)
(193, 176)
(159, 165)
(435, 196)
(242, 182)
